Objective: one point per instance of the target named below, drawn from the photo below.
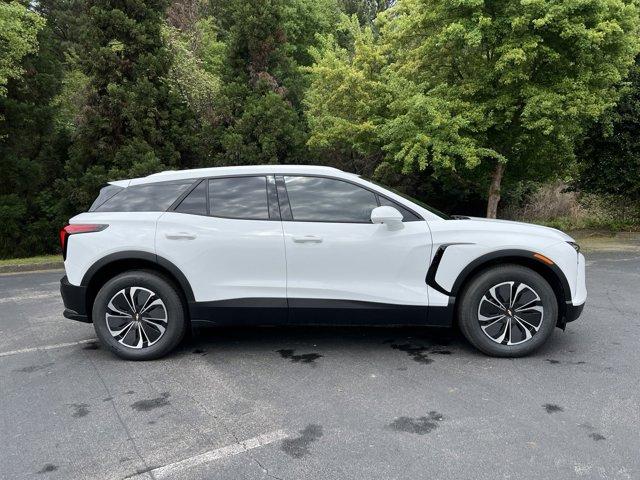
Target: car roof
(171, 175)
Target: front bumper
(75, 301)
(572, 312)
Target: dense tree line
(454, 102)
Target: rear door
(338, 261)
(226, 238)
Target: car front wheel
(507, 311)
(139, 315)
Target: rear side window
(317, 199)
(407, 216)
(196, 202)
(154, 197)
(105, 194)
(239, 197)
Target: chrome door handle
(180, 236)
(307, 239)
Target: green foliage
(134, 122)
(609, 157)
(32, 152)
(18, 37)
(429, 96)
(476, 83)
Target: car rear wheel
(139, 315)
(508, 311)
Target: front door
(343, 268)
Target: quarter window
(196, 202)
(317, 199)
(407, 216)
(239, 197)
(152, 197)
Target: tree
(348, 97)
(32, 152)
(609, 157)
(481, 91)
(18, 37)
(500, 86)
(134, 123)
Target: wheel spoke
(161, 328)
(522, 320)
(494, 297)
(525, 330)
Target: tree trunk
(494, 191)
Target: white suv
(280, 244)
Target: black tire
(470, 309)
(171, 308)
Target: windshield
(411, 199)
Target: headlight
(575, 246)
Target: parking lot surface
(322, 403)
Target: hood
(526, 227)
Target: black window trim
(375, 193)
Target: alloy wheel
(510, 313)
(136, 317)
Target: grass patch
(40, 259)
(598, 224)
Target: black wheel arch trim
(140, 255)
(486, 259)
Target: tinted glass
(315, 199)
(155, 197)
(105, 194)
(407, 216)
(195, 202)
(239, 197)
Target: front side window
(152, 197)
(317, 199)
(239, 197)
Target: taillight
(77, 228)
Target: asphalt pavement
(322, 403)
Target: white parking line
(47, 347)
(30, 296)
(173, 469)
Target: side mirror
(390, 216)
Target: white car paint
(225, 258)
(232, 258)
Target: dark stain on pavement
(151, 403)
(92, 346)
(34, 368)
(129, 392)
(298, 447)
(49, 467)
(597, 436)
(417, 353)
(419, 425)
(304, 358)
(552, 408)
(556, 362)
(79, 410)
(108, 399)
